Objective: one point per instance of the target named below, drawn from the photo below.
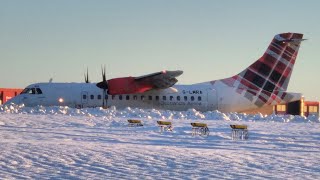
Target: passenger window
(185, 98)
(120, 97)
(127, 97)
(178, 98)
(99, 96)
(164, 98)
(157, 98)
(38, 91)
(171, 98)
(91, 96)
(192, 98)
(113, 96)
(150, 98)
(142, 97)
(135, 97)
(199, 98)
(84, 96)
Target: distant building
(311, 108)
(302, 108)
(8, 93)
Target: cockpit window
(38, 91)
(31, 91)
(25, 91)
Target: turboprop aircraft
(263, 83)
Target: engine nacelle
(127, 85)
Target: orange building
(302, 108)
(8, 93)
(311, 108)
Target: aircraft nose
(14, 100)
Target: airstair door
(84, 98)
(212, 100)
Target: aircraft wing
(160, 80)
(132, 85)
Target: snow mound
(129, 112)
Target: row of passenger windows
(142, 97)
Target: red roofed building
(8, 93)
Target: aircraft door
(212, 100)
(84, 98)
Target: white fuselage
(82, 95)
(202, 97)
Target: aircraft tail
(273, 70)
(269, 75)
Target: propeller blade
(86, 76)
(104, 86)
(103, 98)
(104, 83)
(104, 79)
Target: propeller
(103, 85)
(86, 76)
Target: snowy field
(65, 143)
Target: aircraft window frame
(91, 96)
(157, 98)
(84, 96)
(142, 97)
(113, 97)
(164, 98)
(171, 98)
(185, 98)
(178, 98)
(135, 97)
(120, 97)
(150, 98)
(99, 96)
(199, 98)
(192, 98)
(127, 97)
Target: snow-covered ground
(60, 142)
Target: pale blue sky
(208, 39)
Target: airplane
(263, 83)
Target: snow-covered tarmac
(60, 142)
